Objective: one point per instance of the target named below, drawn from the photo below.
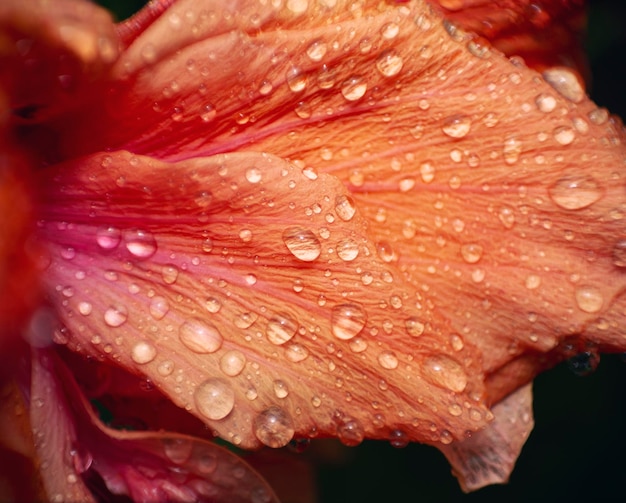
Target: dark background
(577, 451)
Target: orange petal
(249, 291)
(147, 466)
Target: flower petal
(248, 290)
(147, 466)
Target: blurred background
(577, 451)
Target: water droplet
(266, 88)
(280, 329)
(456, 341)
(85, 308)
(208, 113)
(116, 315)
(564, 135)
(296, 80)
(388, 360)
(280, 389)
(159, 307)
(389, 63)
(575, 192)
(507, 217)
(512, 150)
(427, 171)
(565, 82)
(199, 336)
(347, 320)
(143, 352)
(533, 281)
(250, 279)
(589, 299)
(443, 371)
(345, 208)
(316, 51)
(296, 352)
(457, 126)
(347, 250)
(471, 253)
(354, 88)
(232, 363)
(140, 243)
(165, 368)
(169, 273)
(545, 103)
(254, 175)
(298, 6)
(358, 345)
(414, 327)
(108, 238)
(619, 254)
(385, 252)
(178, 450)
(245, 320)
(390, 31)
(302, 243)
(274, 427)
(406, 184)
(212, 305)
(455, 410)
(214, 398)
(207, 245)
(398, 439)
(350, 432)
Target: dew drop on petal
(347, 320)
(564, 135)
(296, 80)
(350, 432)
(296, 352)
(457, 126)
(427, 171)
(213, 305)
(199, 336)
(85, 308)
(445, 372)
(390, 31)
(232, 363)
(169, 273)
(214, 398)
(512, 150)
(108, 238)
(589, 299)
(159, 307)
(316, 50)
(388, 360)
(178, 450)
(302, 243)
(506, 216)
(471, 253)
(280, 389)
(345, 208)
(143, 352)
(347, 250)
(354, 88)
(545, 103)
(274, 427)
(619, 254)
(575, 192)
(298, 6)
(280, 329)
(389, 63)
(140, 243)
(414, 327)
(165, 368)
(565, 82)
(254, 175)
(116, 315)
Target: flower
(297, 220)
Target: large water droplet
(214, 398)
(389, 63)
(443, 371)
(143, 352)
(589, 299)
(108, 238)
(140, 243)
(302, 243)
(565, 82)
(254, 175)
(354, 88)
(347, 320)
(347, 250)
(116, 315)
(296, 80)
(345, 208)
(456, 126)
(296, 352)
(232, 363)
(280, 329)
(316, 50)
(274, 427)
(575, 192)
(388, 360)
(200, 336)
(350, 432)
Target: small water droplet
(199, 336)
(427, 172)
(316, 50)
(208, 113)
(564, 135)
(350, 432)
(388, 360)
(140, 243)
(354, 88)
(347, 320)
(280, 389)
(280, 329)
(358, 345)
(213, 305)
(108, 238)
(302, 243)
(347, 250)
(390, 31)
(414, 327)
(471, 253)
(298, 6)
(385, 252)
(398, 439)
(389, 63)
(143, 352)
(533, 281)
(545, 103)
(274, 427)
(254, 175)
(456, 126)
(345, 208)
(159, 307)
(165, 368)
(443, 371)
(296, 352)
(589, 299)
(232, 363)
(169, 273)
(214, 398)
(512, 150)
(575, 192)
(116, 315)
(296, 80)
(506, 215)
(456, 341)
(85, 308)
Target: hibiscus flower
(272, 221)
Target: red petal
(147, 466)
